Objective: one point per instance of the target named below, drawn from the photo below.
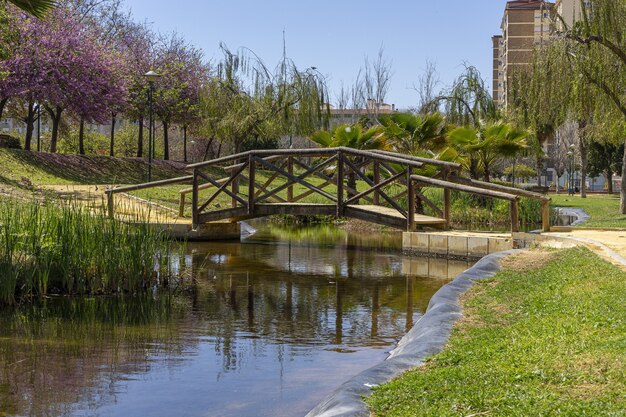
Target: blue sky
(335, 36)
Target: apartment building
(526, 24)
(569, 10)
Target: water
(271, 327)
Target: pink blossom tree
(61, 64)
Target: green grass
(603, 209)
(69, 249)
(21, 167)
(549, 341)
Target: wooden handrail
(447, 185)
(152, 184)
(464, 188)
(498, 187)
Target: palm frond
(37, 8)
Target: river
(270, 327)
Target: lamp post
(38, 127)
(570, 186)
(151, 77)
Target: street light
(570, 188)
(151, 77)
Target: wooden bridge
(375, 186)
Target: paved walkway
(126, 206)
(609, 244)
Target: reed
(68, 248)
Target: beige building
(569, 10)
(526, 24)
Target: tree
(605, 158)
(60, 64)
(245, 101)
(355, 137)
(182, 73)
(597, 46)
(487, 144)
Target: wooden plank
(464, 188)
(545, 215)
(152, 184)
(410, 218)
(498, 187)
(514, 216)
(195, 219)
(340, 185)
(374, 189)
(293, 179)
(223, 188)
(382, 193)
(224, 214)
(251, 184)
(295, 209)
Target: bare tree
(566, 141)
(377, 80)
(425, 88)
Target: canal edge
(427, 338)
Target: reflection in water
(267, 330)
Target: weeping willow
(246, 100)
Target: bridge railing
(486, 189)
(339, 178)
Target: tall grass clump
(65, 248)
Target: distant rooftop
(527, 4)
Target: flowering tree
(59, 63)
(182, 75)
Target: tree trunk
(3, 103)
(113, 120)
(473, 168)
(55, 116)
(487, 174)
(584, 159)
(622, 206)
(185, 143)
(30, 125)
(609, 180)
(208, 148)
(140, 139)
(166, 141)
(539, 167)
(81, 137)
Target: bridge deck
(375, 214)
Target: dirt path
(609, 244)
(127, 207)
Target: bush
(9, 142)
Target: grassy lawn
(20, 167)
(603, 209)
(544, 337)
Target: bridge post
(376, 181)
(545, 215)
(410, 221)
(195, 215)
(340, 178)
(447, 201)
(111, 204)
(515, 216)
(251, 184)
(290, 170)
(235, 189)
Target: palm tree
(413, 134)
(484, 145)
(355, 137)
(37, 8)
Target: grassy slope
(46, 168)
(603, 209)
(535, 342)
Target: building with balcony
(526, 24)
